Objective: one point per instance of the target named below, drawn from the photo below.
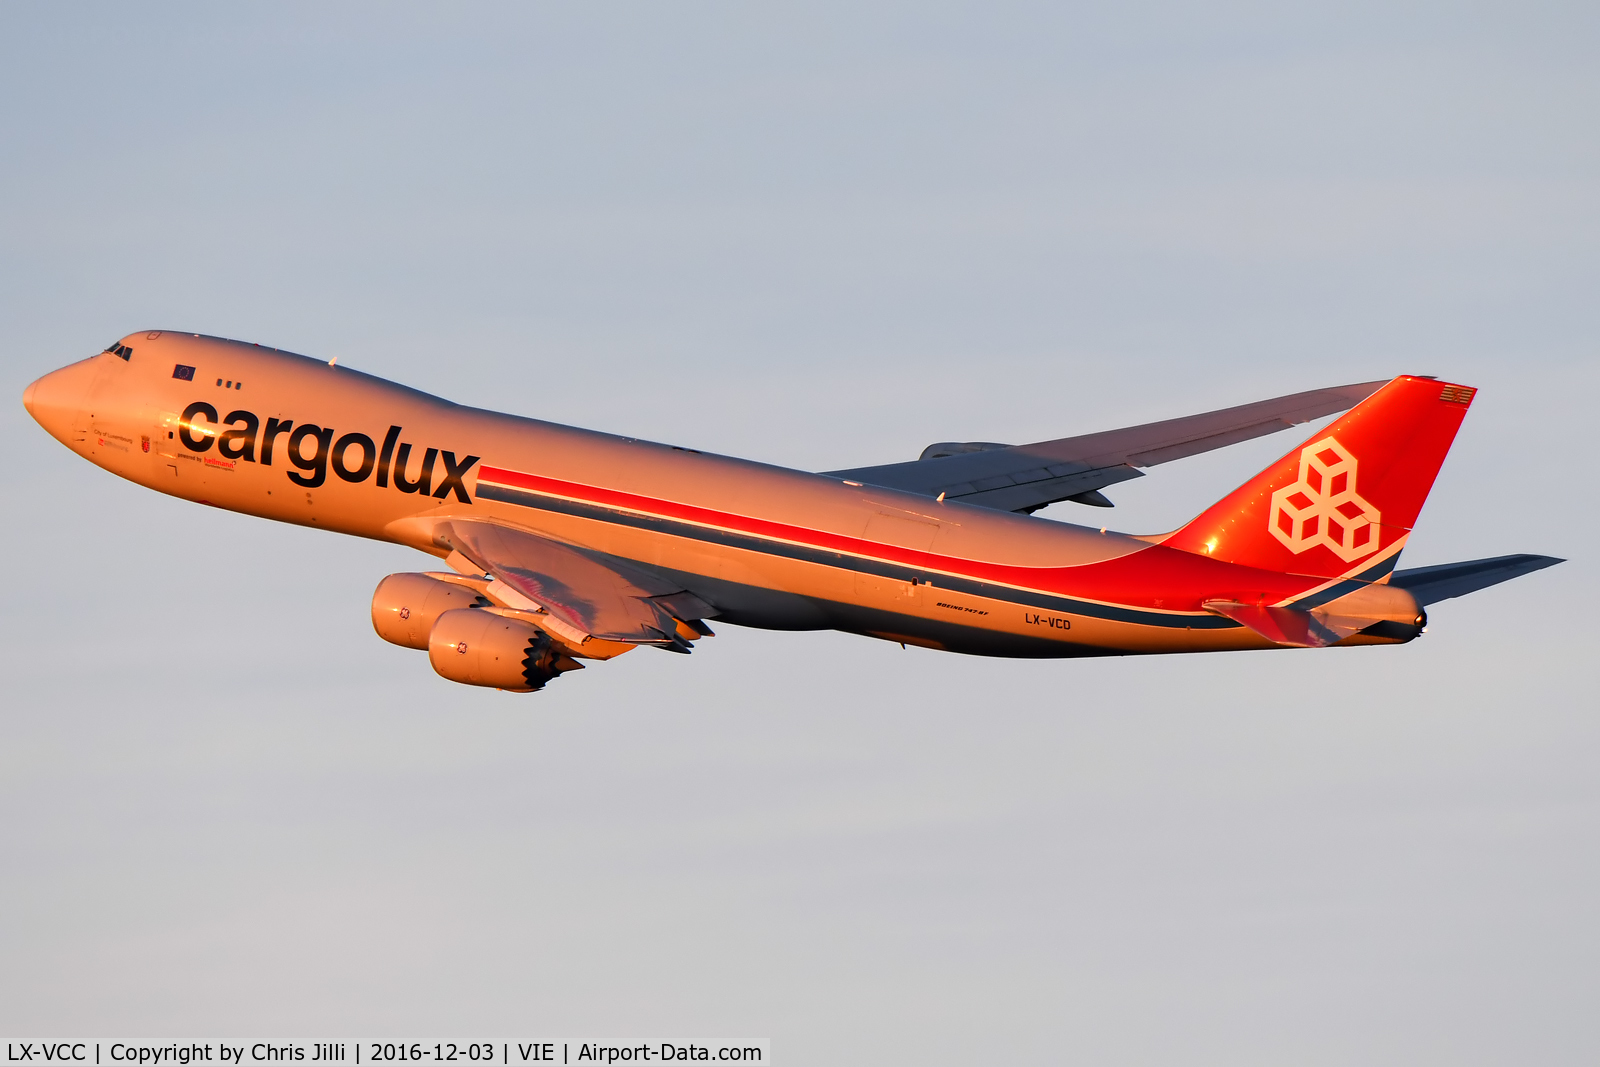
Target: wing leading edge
(1028, 477)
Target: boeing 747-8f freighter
(566, 545)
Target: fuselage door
(893, 580)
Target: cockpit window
(121, 351)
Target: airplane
(566, 545)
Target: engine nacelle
(406, 606)
(483, 647)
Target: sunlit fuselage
(284, 437)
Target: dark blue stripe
(855, 564)
(1348, 585)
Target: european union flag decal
(183, 373)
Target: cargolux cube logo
(1322, 508)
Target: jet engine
(480, 646)
(405, 606)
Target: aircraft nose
(35, 397)
(53, 399)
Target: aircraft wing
(589, 593)
(1433, 584)
(1028, 477)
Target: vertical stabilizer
(1343, 503)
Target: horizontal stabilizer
(1289, 626)
(1432, 584)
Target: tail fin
(1342, 504)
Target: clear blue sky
(819, 236)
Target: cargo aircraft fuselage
(585, 544)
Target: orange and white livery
(564, 545)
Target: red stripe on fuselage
(1154, 578)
